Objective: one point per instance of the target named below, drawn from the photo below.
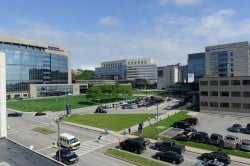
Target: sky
(96, 31)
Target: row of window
(112, 64)
(225, 82)
(21, 46)
(226, 93)
(137, 62)
(225, 105)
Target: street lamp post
(58, 120)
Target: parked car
(231, 141)
(15, 114)
(133, 145)
(169, 146)
(67, 156)
(40, 114)
(245, 145)
(200, 137)
(246, 130)
(181, 124)
(100, 109)
(209, 163)
(222, 157)
(172, 157)
(143, 139)
(235, 128)
(191, 120)
(186, 135)
(215, 139)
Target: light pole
(58, 120)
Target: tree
(94, 93)
(84, 75)
(108, 89)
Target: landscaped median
(114, 122)
(133, 158)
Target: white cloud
(109, 21)
(179, 2)
(168, 44)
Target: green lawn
(58, 103)
(114, 122)
(43, 130)
(152, 131)
(133, 158)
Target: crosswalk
(94, 144)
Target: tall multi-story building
(32, 62)
(167, 75)
(196, 65)
(128, 69)
(228, 60)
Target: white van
(69, 141)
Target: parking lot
(218, 123)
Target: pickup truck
(169, 146)
(231, 141)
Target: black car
(215, 139)
(67, 156)
(100, 109)
(235, 128)
(15, 114)
(40, 114)
(143, 139)
(133, 145)
(222, 157)
(200, 137)
(169, 156)
(181, 124)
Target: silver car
(245, 145)
(209, 163)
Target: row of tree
(97, 93)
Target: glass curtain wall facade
(32, 64)
(196, 65)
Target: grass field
(58, 103)
(133, 158)
(114, 122)
(152, 131)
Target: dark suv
(215, 139)
(67, 156)
(181, 125)
(133, 145)
(222, 157)
(200, 137)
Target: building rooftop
(12, 154)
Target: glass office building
(30, 62)
(196, 65)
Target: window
(204, 93)
(213, 104)
(203, 83)
(203, 103)
(224, 105)
(236, 105)
(224, 93)
(235, 82)
(246, 106)
(213, 93)
(224, 82)
(246, 94)
(245, 82)
(160, 73)
(213, 82)
(235, 94)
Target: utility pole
(58, 136)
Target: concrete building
(228, 60)
(32, 62)
(225, 94)
(167, 75)
(128, 70)
(196, 65)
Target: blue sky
(103, 30)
